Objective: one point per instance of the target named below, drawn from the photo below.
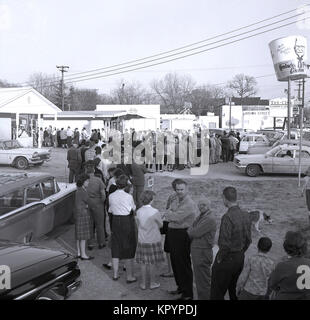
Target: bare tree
(243, 86)
(173, 91)
(6, 84)
(83, 99)
(129, 93)
(206, 98)
(47, 85)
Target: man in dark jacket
(234, 240)
(74, 162)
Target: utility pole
(62, 69)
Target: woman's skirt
(149, 253)
(83, 227)
(124, 238)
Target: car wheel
(253, 170)
(50, 295)
(21, 163)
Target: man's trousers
(179, 245)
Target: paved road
(225, 171)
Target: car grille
(44, 156)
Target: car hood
(250, 157)
(19, 256)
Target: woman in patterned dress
(149, 250)
(83, 223)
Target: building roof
(250, 101)
(8, 95)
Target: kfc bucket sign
(289, 57)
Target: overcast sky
(37, 35)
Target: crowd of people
(189, 229)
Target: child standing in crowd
(253, 281)
(306, 189)
(149, 249)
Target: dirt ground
(281, 199)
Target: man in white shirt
(69, 137)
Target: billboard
(289, 56)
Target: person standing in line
(41, 135)
(84, 134)
(90, 153)
(149, 249)
(164, 230)
(45, 138)
(69, 137)
(232, 146)
(181, 216)
(225, 147)
(286, 281)
(54, 138)
(234, 240)
(96, 194)
(123, 240)
(202, 235)
(253, 281)
(306, 190)
(76, 136)
(138, 181)
(83, 223)
(218, 150)
(63, 138)
(74, 159)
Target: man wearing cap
(202, 234)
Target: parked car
(281, 159)
(14, 154)
(253, 142)
(31, 205)
(37, 273)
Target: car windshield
(13, 144)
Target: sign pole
(289, 108)
(301, 124)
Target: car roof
(12, 182)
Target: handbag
(164, 228)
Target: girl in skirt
(149, 249)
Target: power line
(108, 73)
(79, 79)
(186, 46)
(184, 51)
(190, 45)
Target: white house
(21, 111)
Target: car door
(281, 163)
(42, 192)
(304, 161)
(16, 218)
(3, 154)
